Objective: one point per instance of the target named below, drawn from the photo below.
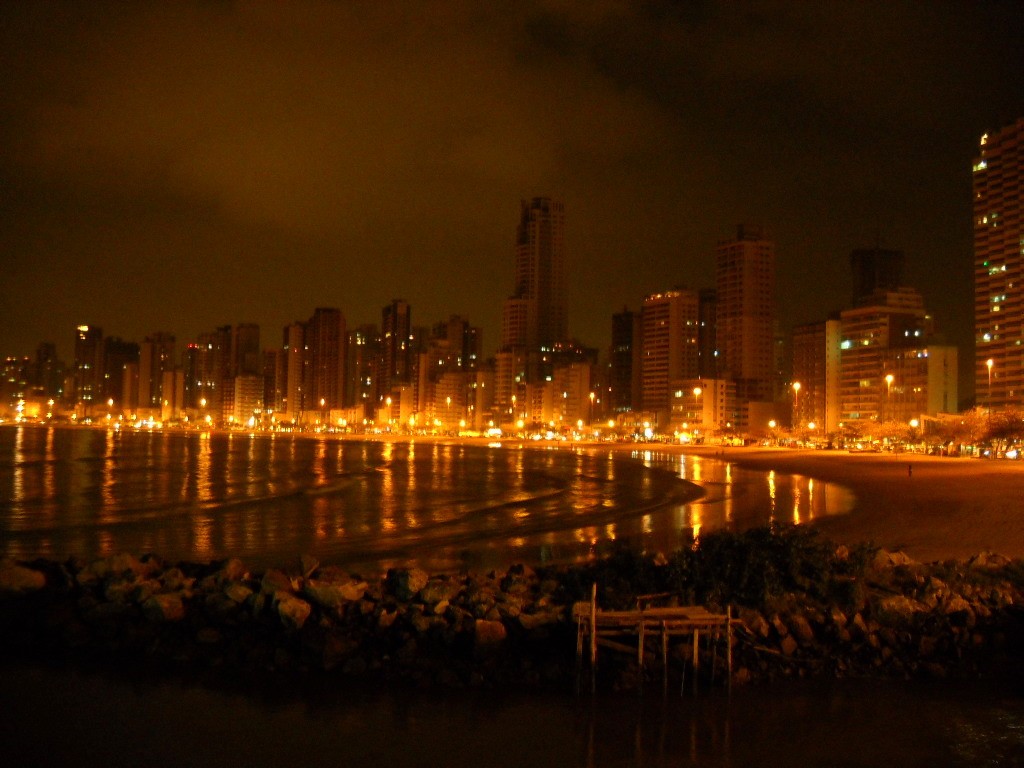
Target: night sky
(176, 166)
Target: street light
(592, 396)
(796, 402)
(889, 379)
(699, 411)
(988, 364)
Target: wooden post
(664, 658)
(579, 653)
(640, 656)
(682, 680)
(713, 644)
(728, 645)
(696, 636)
(593, 638)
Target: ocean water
(75, 717)
(368, 505)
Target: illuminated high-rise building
(14, 380)
(208, 366)
(816, 374)
(48, 371)
(88, 370)
(325, 359)
(745, 315)
(448, 356)
(668, 345)
(998, 180)
(624, 362)
(117, 355)
(156, 356)
(872, 334)
(707, 333)
(395, 366)
(539, 303)
(295, 380)
(361, 366)
(275, 378)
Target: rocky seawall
(808, 608)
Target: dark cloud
(234, 162)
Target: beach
(930, 507)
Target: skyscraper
(87, 374)
(295, 365)
(816, 367)
(623, 362)
(707, 334)
(156, 356)
(745, 283)
(361, 367)
(212, 372)
(325, 359)
(117, 354)
(539, 305)
(872, 334)
(999, 269)
(669, 330)
(47, 371)
(395, 363)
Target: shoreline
(933, 508)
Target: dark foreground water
(268, 499)
(76, 718)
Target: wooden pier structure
(603, 628)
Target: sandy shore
(930, 507)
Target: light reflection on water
(127, 721)
(370, 504)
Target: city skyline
(181, 169)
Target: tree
(1005, 429)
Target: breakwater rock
(900, 619)
(452, 630)
(807, 608)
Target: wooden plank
(688, 620)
